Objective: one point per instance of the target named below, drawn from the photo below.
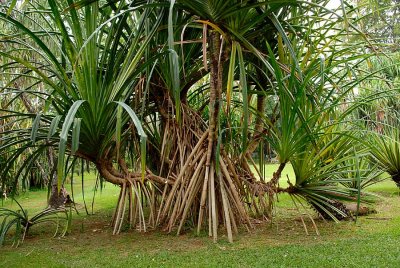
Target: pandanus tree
(87, 82)
(120, 81)
(209, 171)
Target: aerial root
(191, 189)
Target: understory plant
(385, 151)
(17, 223)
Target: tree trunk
(57, 197)
(258, 128)
(215, 97)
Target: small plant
(385, 150)
(368, 173)
(22, 223)
(329, 174)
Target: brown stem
(110, 174)
(103, 167)
(215, 92)
(255, 140)
(215, 96)
(277, 174)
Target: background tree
(184, 86)
(380, 21)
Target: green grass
(371, 242)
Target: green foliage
(108, 77)
(84, 80)
(368, 173)
(321, 171)
(381, 21)
(385, 150)
(21, 223)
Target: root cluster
(189, 191)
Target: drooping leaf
(35, 127)
(76, 130)
(69, 119)
(142, 134)
(53, 126)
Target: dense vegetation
(182, 103)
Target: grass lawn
(373, 241)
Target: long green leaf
(53, 126)
(76, 130)
(35, 127)
(142, 134)
(69, 119)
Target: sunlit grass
(371, 242)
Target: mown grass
(373, 241)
